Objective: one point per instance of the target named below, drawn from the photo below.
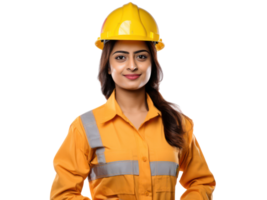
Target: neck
(131, 101)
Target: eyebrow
(128, 52)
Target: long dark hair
(172, 117)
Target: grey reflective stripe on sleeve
(93, 136)
(123, 167)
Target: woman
(133, 146)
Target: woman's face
(130, 57)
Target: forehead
(130, 45)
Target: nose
(132, 63)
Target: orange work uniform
(124, 163)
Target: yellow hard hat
(129, 23)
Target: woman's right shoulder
(77, 123)
(76, 120)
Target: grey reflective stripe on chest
(122, 167)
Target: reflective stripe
(93, 136)
(122, 167)
(131, 167)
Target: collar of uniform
(112, 108)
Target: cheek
(116, 68)
(116, 72)
(148, 72)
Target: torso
(136, 119)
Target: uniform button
(144, 159)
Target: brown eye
(119, 57)
(144, 57)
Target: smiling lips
(132, 76)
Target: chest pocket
(164, 184)
(115, 176)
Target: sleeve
(197, 179)
(71, 165)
